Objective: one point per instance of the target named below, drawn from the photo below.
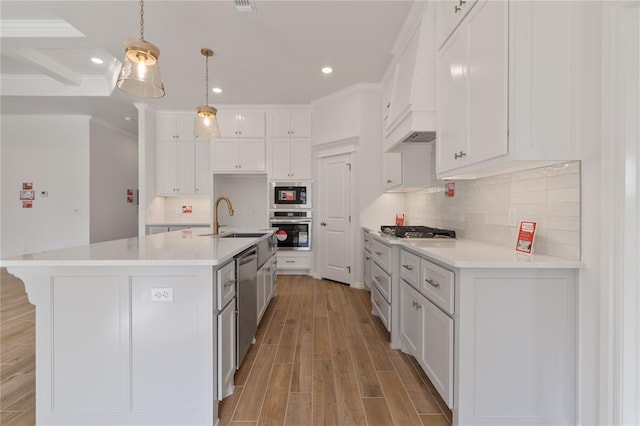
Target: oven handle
(276, 221)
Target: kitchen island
(126, 329)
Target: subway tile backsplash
(480, 209)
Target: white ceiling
(272, 56)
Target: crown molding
(42, 28)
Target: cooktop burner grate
(417, 232)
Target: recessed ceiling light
(327, 70)
(97, 61)
(216, 90)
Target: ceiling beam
(46, 65)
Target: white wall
(52, 152)
(336, 117)
(113, 170)
(249, 195)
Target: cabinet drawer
(382, 254)
(226, 284)
(437, 285)
(293, 262)
(410, 268)
(381, 280)
(381, 308)
(368, 240)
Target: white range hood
(411, 99)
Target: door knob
(323, 223)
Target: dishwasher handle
(247, 257)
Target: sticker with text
(27, 195)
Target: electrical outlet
(513, 217)
(44, 193)
(162, 294)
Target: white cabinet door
(203, 172)
(251, 155)
(165, 127)
(450, 13)
(488, 82)
(261, 291)
(281, 124)
(251, 124)
(410, 320)
(227, 123)
(437, 349)
(184, 127)
(452, 92)
(224, 157)
(166, 163)
(367, 269)
(226, 353)
(405, 73)
(392, 169)
(175, 127)
(300, 158)
(185, 167)
(301, 124)
(280, 158)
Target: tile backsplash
(480, 209)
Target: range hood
(411, 115)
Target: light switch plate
(162, 294)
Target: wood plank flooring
(319, 358)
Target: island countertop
(176, 248)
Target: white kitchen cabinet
(265, 287)
(175, 164)
(381, 281)
(239, 155)
(290, 159)
(175, 126)
(241, 123)
(409, 170)
(450, 14)
(202, 168)
(410, 320)
(226, 338)
(292, 261)
(509, 88)
(368, 260)
(472, 89)
(291, 123)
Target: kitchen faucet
(216, 226)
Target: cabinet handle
(229, 283)
(388, 105)
(434, 283)
(459, 155)
(379, 279)
(379, 253)
(268, 269)
(389, 181)
(418, 306)
(408, 267)
(462, 2)
(377, 303)
(323, 223)
(367, 258)
(289, 261)
(457, 9)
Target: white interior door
(336, 242)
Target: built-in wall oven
(293, 229)
(290, 195)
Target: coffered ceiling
(271, 56)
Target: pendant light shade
(140, 74)
(206, 126)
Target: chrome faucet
(216, 225)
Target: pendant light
(140, 74)
(206, 126)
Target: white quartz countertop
(461, 253)
(184, 247)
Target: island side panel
(107, 354)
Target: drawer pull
(367, 257)
(289, 261)
(379, 253)
(408, 267)
(434, 283)
(377, 304)
(379, 279)
(229, 283)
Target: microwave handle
(276, 221)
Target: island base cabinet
(226, 350)
(516, 347)
(123, 345)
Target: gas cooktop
(417, 232)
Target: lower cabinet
(293, 262)
(226, 337)
(427, 334)
(266, 283)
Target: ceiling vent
(244, 6)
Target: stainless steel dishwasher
(247, 284)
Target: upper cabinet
(241, 123)
(450, 14)
(182, 165)
(291, 123)
(290, 144)
(508, 81)
(175, 126)
(242, 145)
(411, 169)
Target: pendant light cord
(141, 20)
(206, 79)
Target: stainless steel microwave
(290, 195)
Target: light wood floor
(320, 358)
